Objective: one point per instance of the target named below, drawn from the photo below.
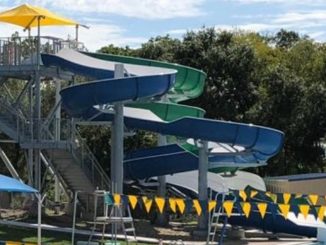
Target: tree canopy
(276, 81)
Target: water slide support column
(161, 191)
(117, 131)
(57, 134)
(30, 158)
(202, 182)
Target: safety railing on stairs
(69, 136)
(89, 163)
(15, 121)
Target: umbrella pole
(38, 108)
(40, 200)
(39, 219)
(77, 27)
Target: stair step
(130, 229)
(132, 240)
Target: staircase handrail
(95, 170)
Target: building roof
(299, 177)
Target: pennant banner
(197, 207)
(246, 208)
(304, 210)
(173, 206)
(228, 207)
(313, 199)
(285, 209)
(211, 205)
(160, 202)
(279, 203)
(253, 194)
(133, 201)
(262, 207)
(117, 199)
(286, 198)
(321, 213)
(148, 203)
(243, 195)
(181, 205)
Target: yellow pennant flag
(274, 197)
(172, 204)
(285, 209)
(321, 213)
(197, 207)
(298, 195)
(228, 206)
(246, 207)
(211, 205)
(304, 210)
(181, 205)
(268, 193)
(148, 203)
(253, 194)
(133, 201)
(313, 199)
(117, 199)
(243, 195)
(160, 202)
(262, 207)
(286, 198)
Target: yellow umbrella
(31, 16)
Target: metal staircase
(70, 156)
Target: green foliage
(276, 81)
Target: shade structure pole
(38, 108)
(117, 131)
(40, 200)
(77, 29)
(74, 218)
(202, 182)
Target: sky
(133, 22)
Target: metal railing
(69, 134)
(16, 51)
(89, 163)
(78, 147)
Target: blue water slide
(84, 101)
(138, 81)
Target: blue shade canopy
(12, 185)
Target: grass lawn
(8, 233)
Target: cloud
(142, 9)
(309, 22)
(295, 17)
(287, 2)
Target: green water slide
(189, 81)
(189, 85)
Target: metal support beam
(8, 164)
(22, 93)
(117, 140)
(161, 191)
(57, 134)
(30, 152)
(202, 182)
